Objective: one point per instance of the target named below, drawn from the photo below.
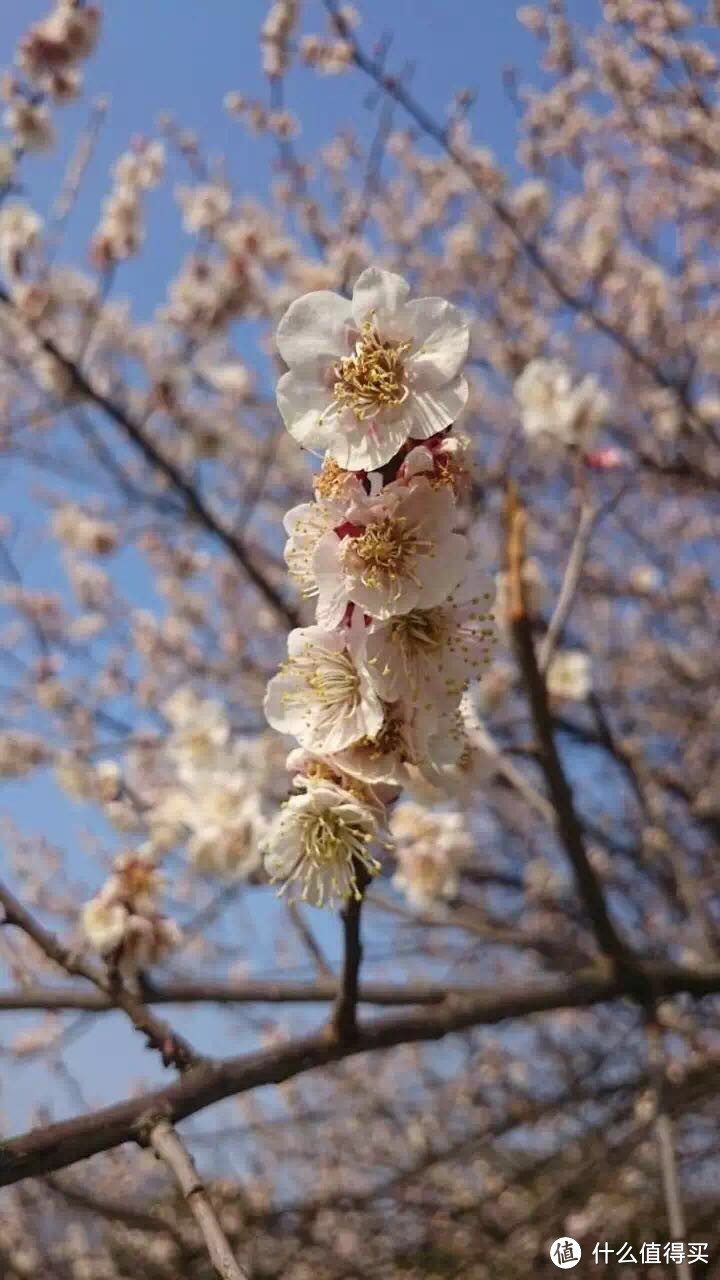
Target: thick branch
(168, 1147)
(249, 991)
(57, 1146)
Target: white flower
(307, 523)
(319, 841)
(409, 744)
(20, 231)
(226, 826)
(570, 675)
(364, 376)
(104, 923)
(20, 753)
(204, 207)
(430, 847)
(549, 402)
(401, 554)
(147, 941)
(427, 656)
(200, 730)
(323, 695)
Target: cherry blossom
(399, 553)
(319, 840)
(364, 376)
(324, 694)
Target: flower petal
(307, 410)
(314, 329)
(380, 292)
(441, 338)
(430, 411)
(330, 580)
(366, 446)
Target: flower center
(418, 629)
(388, 739)
(328, 839)
(335, 683)
(386, 551)
(331, 480)
(373, 378)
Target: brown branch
(669, 1176)
(244, 991)
(344, 1015)
(57, 1146)
(567, 823)
(195, 503)
(168, 1147)
(174, 1048)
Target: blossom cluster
(372, 690)
(123, 923)
(211, 802)
(49, 55)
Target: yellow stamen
(373, 377)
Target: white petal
(441, 341)
(431, 411)
(307, 409)
(380, 292)
(330, 579)
(439, 575)
(365, 446)
(314, 328)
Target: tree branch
(174, 1048)
(247, 991)
(195, 503)
(57, 1146)
(168, 1147)
(567, 822)
(344, 1015)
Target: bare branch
(168, 1147)
(57, 1146)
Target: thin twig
(168, 1147)
(173, 1048)
(196, 505)
(573, 572)
(567, 822)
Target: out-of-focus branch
(168, 1147)
(567, 822)
(194, 502)
(173, 1048)
(665, 1143)
(241, 991)
(393, 86)
(573, 572)
(57, 1146)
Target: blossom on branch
(372, 693)
(552, 404)
(320, 839)
(365, 376)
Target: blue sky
(182, 56)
